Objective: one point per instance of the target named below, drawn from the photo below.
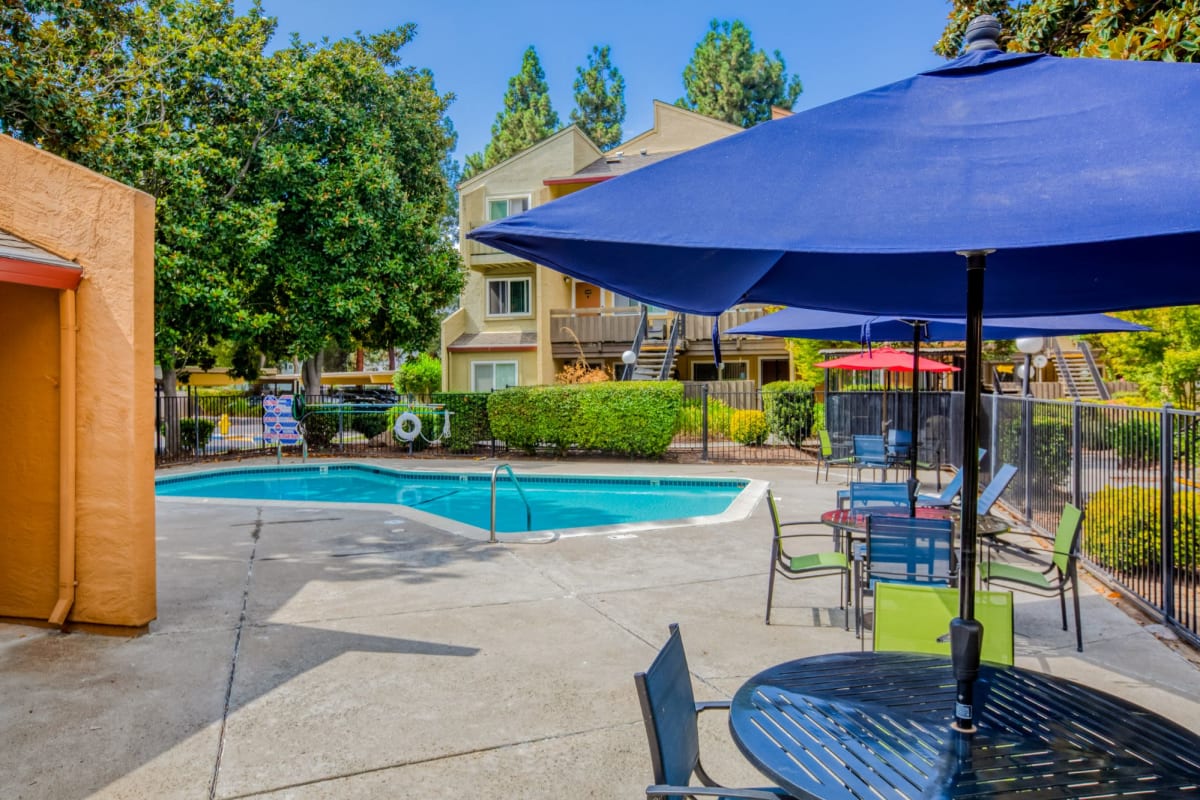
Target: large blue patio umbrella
(808, 323)
(1074, 182)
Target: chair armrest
(714, 791)
(709, 705)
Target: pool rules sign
(279, 426)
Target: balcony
(608, 331)
(481, 257)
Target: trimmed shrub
(691, 419)
(190, 428)
(369, 425)
(631, 417)
(1051, 442)
(789, 408)
(319, 429)
(749, 427)
(469, 423)
(1137, 441)
(1123, 528)
(420, 376)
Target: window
(730, 371)
(501, 207)
(621, 301)
(508, 297)
(489, 375)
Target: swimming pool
(557, 502)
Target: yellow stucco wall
(108, 229)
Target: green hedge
(691, 419)
(790, 408)
(319, 429)
(1123, 528)
(629, 417)
(469, 423)
(1137, 441)
(188, 429)
(1051, 440)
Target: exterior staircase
(1077, 371)
(656, 356)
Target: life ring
(407, 427)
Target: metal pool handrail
(516, 483)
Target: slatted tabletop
(855, 520)
(877, 725)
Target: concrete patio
(355, 652)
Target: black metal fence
(1133, 470)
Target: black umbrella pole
(914, 420)
(966, 634)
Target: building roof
(498, 341)
(24, 262)
(612, 165)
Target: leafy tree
(600, 99)
(420, 376)
(1164, 361)
(163, 97)
(1144, 30)
(729, 80)
(527, 117)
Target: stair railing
(1064, 372)
(636, 347)
(672, 342)
(1101, 387)
(520, 491)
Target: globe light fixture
(1029, 346)
(628, 357)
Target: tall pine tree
(527, 117)
(600, 99)
(729, 80)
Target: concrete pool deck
(317, 652)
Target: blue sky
(473, 48)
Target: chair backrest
(908, 549)
(669, 712)
(916, 619)
(868, 448)
(865, 494)
(776, 525)
(899, 443)
(1066, 538)
(826, 444)
(952, 488)
(996, 486)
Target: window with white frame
(489, 375)
(621, 301)
(501, 207)
(508, 297)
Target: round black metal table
(854, 521)
(877, 725)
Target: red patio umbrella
(888, 359)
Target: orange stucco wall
(108, 229)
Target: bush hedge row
(630, 417)
(1123, 528)
(469, 423)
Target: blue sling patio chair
(947, 496)
(902, 550)
(670, 712)
(870, 452)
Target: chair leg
(1062, 600)
(771, 579)
(1078, 627)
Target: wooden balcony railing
(605, 325)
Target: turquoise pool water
(556, 501)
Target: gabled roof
(26, 263)
(569, 132)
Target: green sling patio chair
(916, 619)
(670, 712)
(826, 458)
(808, 565)
(1060, 574)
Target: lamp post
(1029, 346)
(628, 358)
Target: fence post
(1077, 453)
(993, 438)
(194, 402)
(1166, 462)
(1027, 445)
(158, 422)
(704, 422)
